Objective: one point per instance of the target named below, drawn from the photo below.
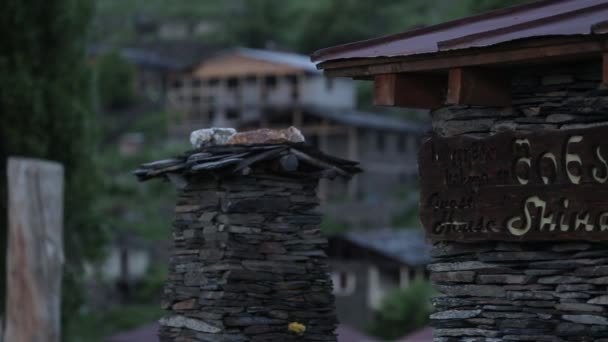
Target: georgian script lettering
(516, 185)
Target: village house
(249, 88)
(368, 265)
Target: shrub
(403, 311)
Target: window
(177, 83)
(232, 114)
(213, 81)
(233, 83)
(209, 99)
(295, 89)
(251, 79)
(344, 283)
(329, 83)
(196, 99)
(402, 143)
(292, 79)
(270, 81)
(211, 115)
(196, 82)
(380, 141)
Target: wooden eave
(474, 76)
(525, 51)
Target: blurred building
(368, 265)
(248, 89)
(243, 88)
(239, 86)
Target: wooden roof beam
(478, 86)
(409, 90)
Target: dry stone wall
(564, 97)
(520, 291)
(525, 291)
(247, 262)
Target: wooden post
(35, 250)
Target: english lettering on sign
(548, 185)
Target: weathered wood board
(549, 185)
(35, 250)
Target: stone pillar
(248, 261)
(548, 283)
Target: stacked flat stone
(248, 261)
(525, 291)
(543, 97)
(520, 291)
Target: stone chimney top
(223, 152)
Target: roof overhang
(521, 52)
(474, 76)
(467, 61)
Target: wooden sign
(546, 185)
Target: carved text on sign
(536, 186)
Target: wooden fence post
(35, 250)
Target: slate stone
(250, 320)
(587, 319)
(581, 307)
(455, 314)
(453, 277)
(503, 279)
(560, 280)
(458, 266)
(179, 321)
(574, 287)
(600, 300)
(472, 290)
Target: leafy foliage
(115, 80)
(302, 26)
(404, 311)
(45, 102)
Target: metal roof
(292, 59)
(547, 18)
(404, 245)
(368, 120)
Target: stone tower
(248, 260)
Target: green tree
(404, 311)
(45, 113)
(115, 80)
